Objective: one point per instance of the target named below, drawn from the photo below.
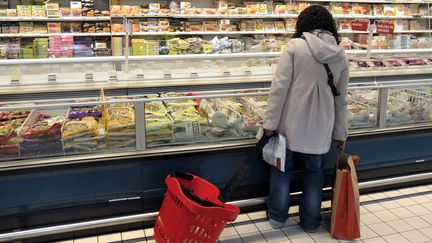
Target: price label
(385, 27)
(187, 129)
(360, 25)
(167, 76)
(15, 80)
(139, 73)
(112, 77)
(194, 75)
(52, 78)
(89, 77)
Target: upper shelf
(368, 1)
(47, 19)
(280, 32)
(188, 57)
(54, 34)
(209, 16)
(269, 16)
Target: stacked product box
(40, 47)
(26, 49)
(83, 47)
(117, 46)
(102, 46)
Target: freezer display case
(170, 119)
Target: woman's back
(308, 111)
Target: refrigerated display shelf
(207, 33)
(53, 34)
(368, 1)
(192, 56)
(48, 19)
(270, 16)
(396, 31)
(209, 16)
(255, 32)
(351, 16)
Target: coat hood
(323, 47)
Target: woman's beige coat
(301, 105)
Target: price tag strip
(52, 78)
(89, 77)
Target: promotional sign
(360, 25)
(384, 27)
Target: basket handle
(244, 169)
(189, 193)
(182, 175)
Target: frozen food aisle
(394, 216)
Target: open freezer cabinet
(171, 121)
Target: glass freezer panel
(84, 130)
(41, 135)
(362, 108)
(120, 126)
(409, 105)
(202, 120)
(10, 123)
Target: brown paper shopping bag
(345, 216)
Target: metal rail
(136, 218)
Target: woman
(308, 111)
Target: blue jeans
(278, 203)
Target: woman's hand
(268, 132)
(341, 144)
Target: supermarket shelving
(48, 19)
(190, 57)
(369, 1)
(54, 34)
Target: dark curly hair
(315, 17)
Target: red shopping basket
(191, 211)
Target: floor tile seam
(259, 230)
(400, 235)
(252, 233)
(399, 217)
(379, 233)
(401, 231)
(418, 231)
(393, 198)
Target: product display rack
(421, 27)
(149, 86)
(135, 132)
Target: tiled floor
(395, 216)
